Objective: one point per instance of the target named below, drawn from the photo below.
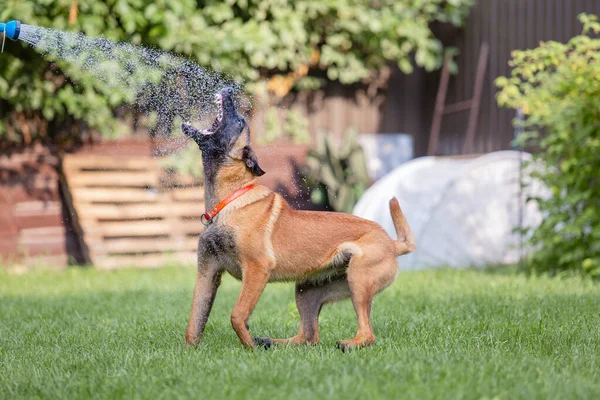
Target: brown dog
(258, 238)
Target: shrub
(336, 175)
(558, 88)
(296, 44)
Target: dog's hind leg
(310, 298)
(366, 277)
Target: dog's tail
(406, 241)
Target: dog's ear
(251, 161)
(193, 133)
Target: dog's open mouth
(217, 122)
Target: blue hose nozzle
(11, 29)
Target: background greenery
(298, 44)
(558, 87)
(336, 174)
(85, 333)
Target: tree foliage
(297, 44)
(558, 87)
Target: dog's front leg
(254, 279)
(205, 290)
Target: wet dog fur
(258, 238)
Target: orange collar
(208, 216)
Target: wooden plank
(44, 235)
(28, 157)
(147, 261)
(142, 228)
(40, 181)
(20, 193)
(138, 211)
(43, 231)
(108, 163)
(38, 221)
(56, 261)
(114, 195)
(187, 194)
(41, 248)
(103, 189)
(37, 208)
(132, 245)
(113, 178)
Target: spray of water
(167, 88)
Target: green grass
(440, 334)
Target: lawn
(441, 334)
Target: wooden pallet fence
(124, 216)
(31, 222)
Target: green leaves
(288, 124)
(558, 87)
(337, 175)
(249, 40)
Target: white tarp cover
(462, 211)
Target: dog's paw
(262, 342)
(355, 343)
(347, 346)
(342, 346)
